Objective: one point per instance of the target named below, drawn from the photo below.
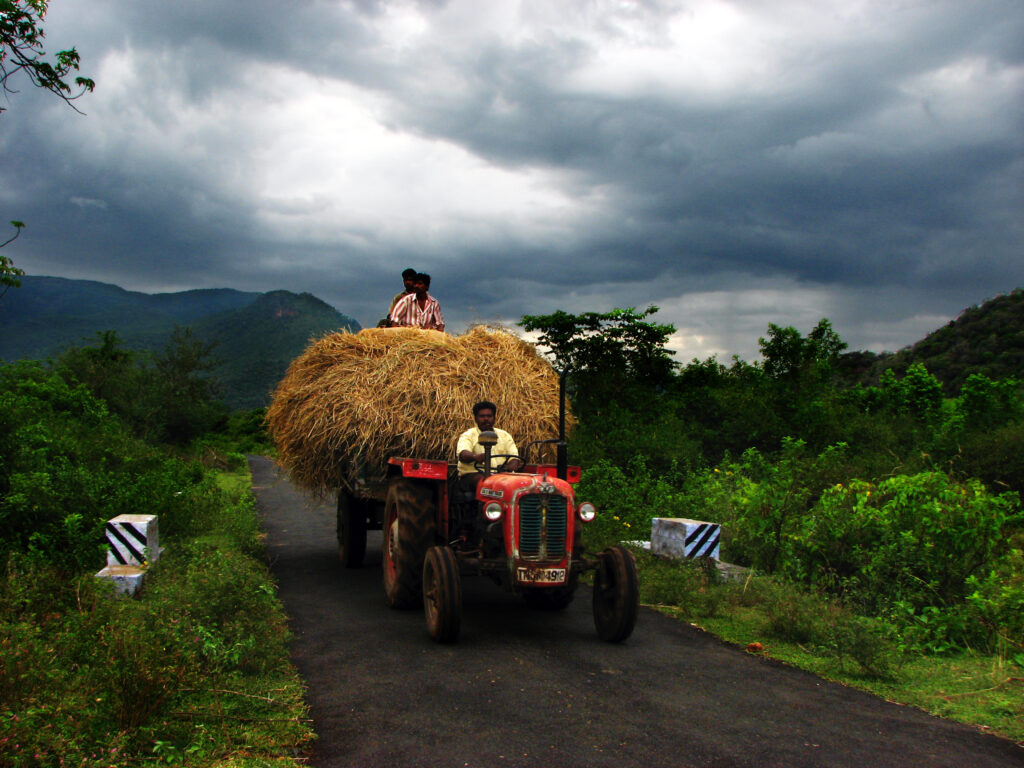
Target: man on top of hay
(471, 453)
(408, 280)
(419, 309)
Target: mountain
(986, 338)
(263, 338)
(256, 335)
(49, 314)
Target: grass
(986, 691)
(193, 671)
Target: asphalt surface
(530, 688)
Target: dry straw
(352, 400)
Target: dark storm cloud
(713, 182)
(806, 154)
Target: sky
(733, 163)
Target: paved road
(526, 688)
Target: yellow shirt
(470, 441)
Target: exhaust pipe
(561, 450)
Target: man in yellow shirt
(470, 452)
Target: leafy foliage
(888, 499)
(912, 548)
(196, 666)
(21, 50)
(10, 274)
(606, 350)
(790, 357)
(629, 497)
(168, 398)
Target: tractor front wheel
(616, 595)
(351, 529)
(408, 533)
(442, 594)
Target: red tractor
(521, 529)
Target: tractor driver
(471, 453)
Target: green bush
(684, 584)
(914, 538)
(995, 605)
(61, 457)
(627, 499)
(761, 502)
(993, 456)
(106, 682)
(182, 671)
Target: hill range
(986, 338)
(256, 335)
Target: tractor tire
(551, 598)
(442, 594)
(616, 595)
(351, 529)
(408, 532)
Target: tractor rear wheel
(616, 595)
(442, 594)
(351, 529)
(408, 533)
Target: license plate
(541, 575)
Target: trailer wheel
(551, 598)
(351, 529)
(616, 595)
(408, 533)
(442, 594)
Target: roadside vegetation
(879, 525)
(876, 523)
(194, 670)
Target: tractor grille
(542, 524)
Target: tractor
(522, 530)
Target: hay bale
(352, 400)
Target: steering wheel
(481, 467)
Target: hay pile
(354, 400)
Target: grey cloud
(837, 174)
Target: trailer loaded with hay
(374, 417)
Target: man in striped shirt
(418, 309)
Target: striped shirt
(407, 312)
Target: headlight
(586, 511)
(492, 511)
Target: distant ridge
(256, 334)
(259, 341)
(986, 338)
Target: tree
(790, 357)
(918, 394)
(9, 273)
(167, 397)
(21, 50)
(189, 399)
(612, 344)
(621, 373)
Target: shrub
(761, 503)
(802, 617)
(910, 547)
(627, 499)
(995, 604)
(685, 584)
